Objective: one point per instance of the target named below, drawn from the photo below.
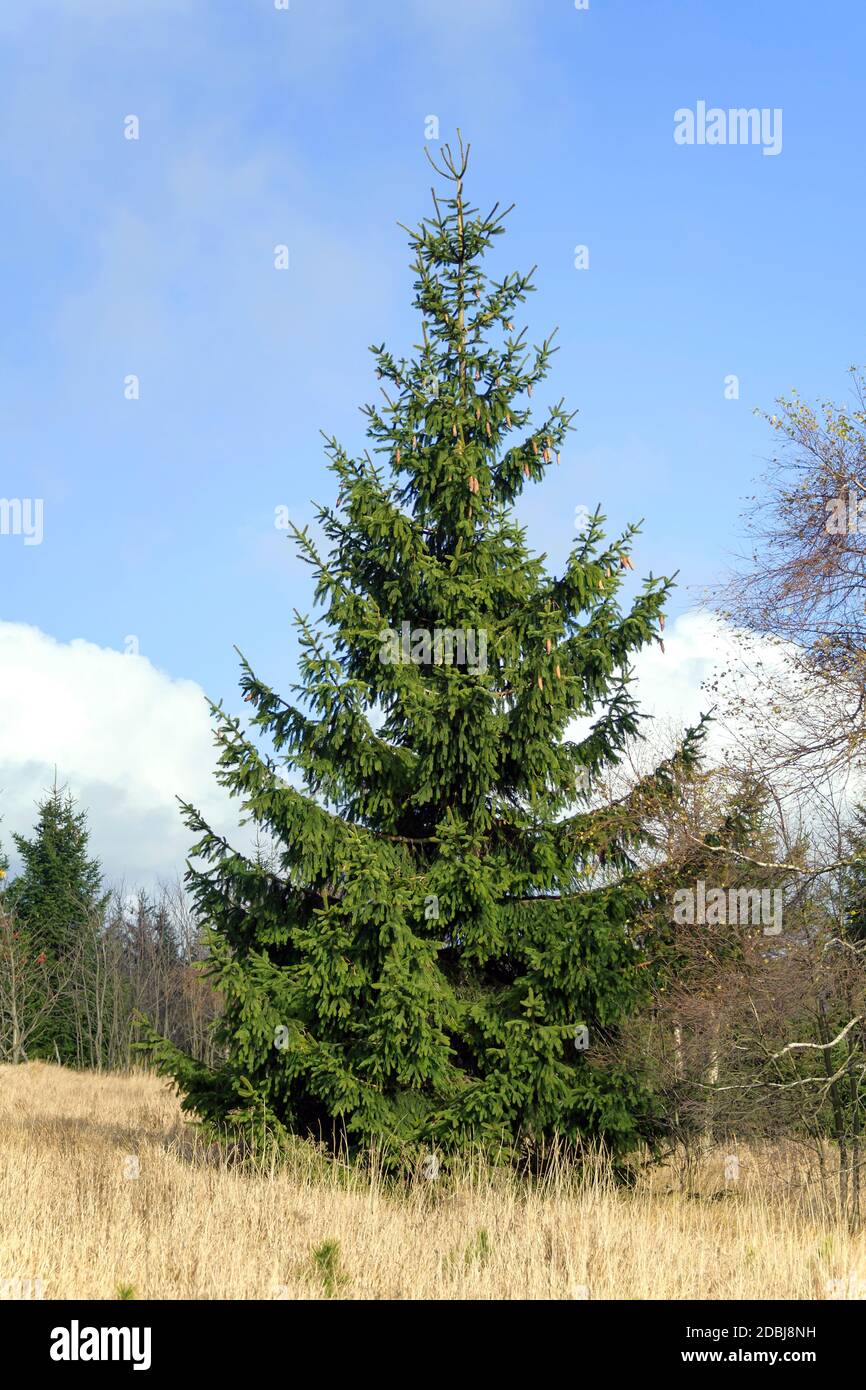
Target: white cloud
(671, 687)
(127, 739)
(668, 683)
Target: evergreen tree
(57, 901)
(444, 924)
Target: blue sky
(306, 127)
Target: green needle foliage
(58, 891)
(445, 906)
(58, 904)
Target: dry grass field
(106, 1192)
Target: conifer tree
(57, 900)
(442, 930)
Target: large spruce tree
(442, 933)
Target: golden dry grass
(191, 1226)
